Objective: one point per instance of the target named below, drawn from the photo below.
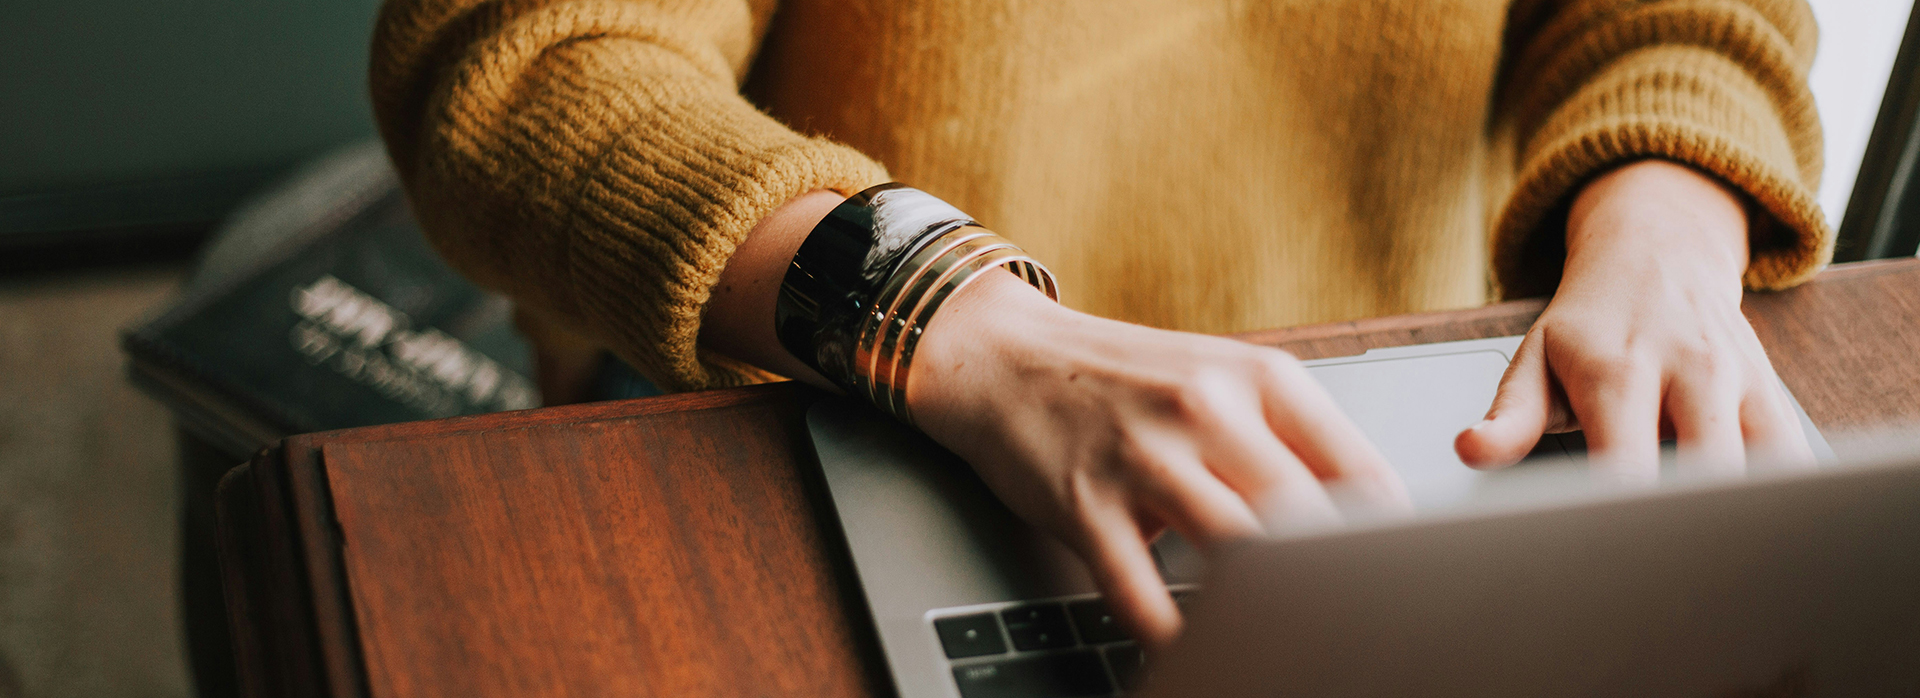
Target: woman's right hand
(1105, 433)
(1099, 432)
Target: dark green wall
(95, 92)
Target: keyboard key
(1096, 624)
(1128, 664)
(1038, 627)
(1062, 675)
(1182, 598)
(970, 636)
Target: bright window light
(1858, 40)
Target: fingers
(1773, 431)
(1618, 405)
(1721, 417)
(1300, 413)
(1726, 418)
(1187, 496)
(1226, 474)
(1271, 480)
(1177, 488)
(1519, 413)
(1247, 484)
(1229, 482)
(1123, 568)
(1706, 416)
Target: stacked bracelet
(863, 287)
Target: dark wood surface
(683, 545)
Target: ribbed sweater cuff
(1703, 117)
(648, 260)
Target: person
(640, 174)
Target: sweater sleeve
(594, 159)
(1716, 84)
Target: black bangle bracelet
(831, 286)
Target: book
(322, 306)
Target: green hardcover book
(323, 307)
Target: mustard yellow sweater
(1205, 165)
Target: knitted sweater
(1203, 165)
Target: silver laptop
(970, 602)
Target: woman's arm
(1642, 131)
(1099, 432)
(1718, 85)
(1645, 337)
(594, 159)
(739, 320)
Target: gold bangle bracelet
(891, 332)
(962, 263)
(904, 358)
(902, 323)
(902, 284)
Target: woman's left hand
(1645, 338)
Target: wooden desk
(683, 546)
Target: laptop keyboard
(1061, 648)
(1070, 647)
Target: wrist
(739, 316)
(1658, 214)
(982, 325)
(864, 286)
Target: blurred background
(131, 131)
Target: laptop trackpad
(1412, 402)
(1413, 407)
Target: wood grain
(1848, 345)
(1356, 337)
(683, 545)
(649, 555)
